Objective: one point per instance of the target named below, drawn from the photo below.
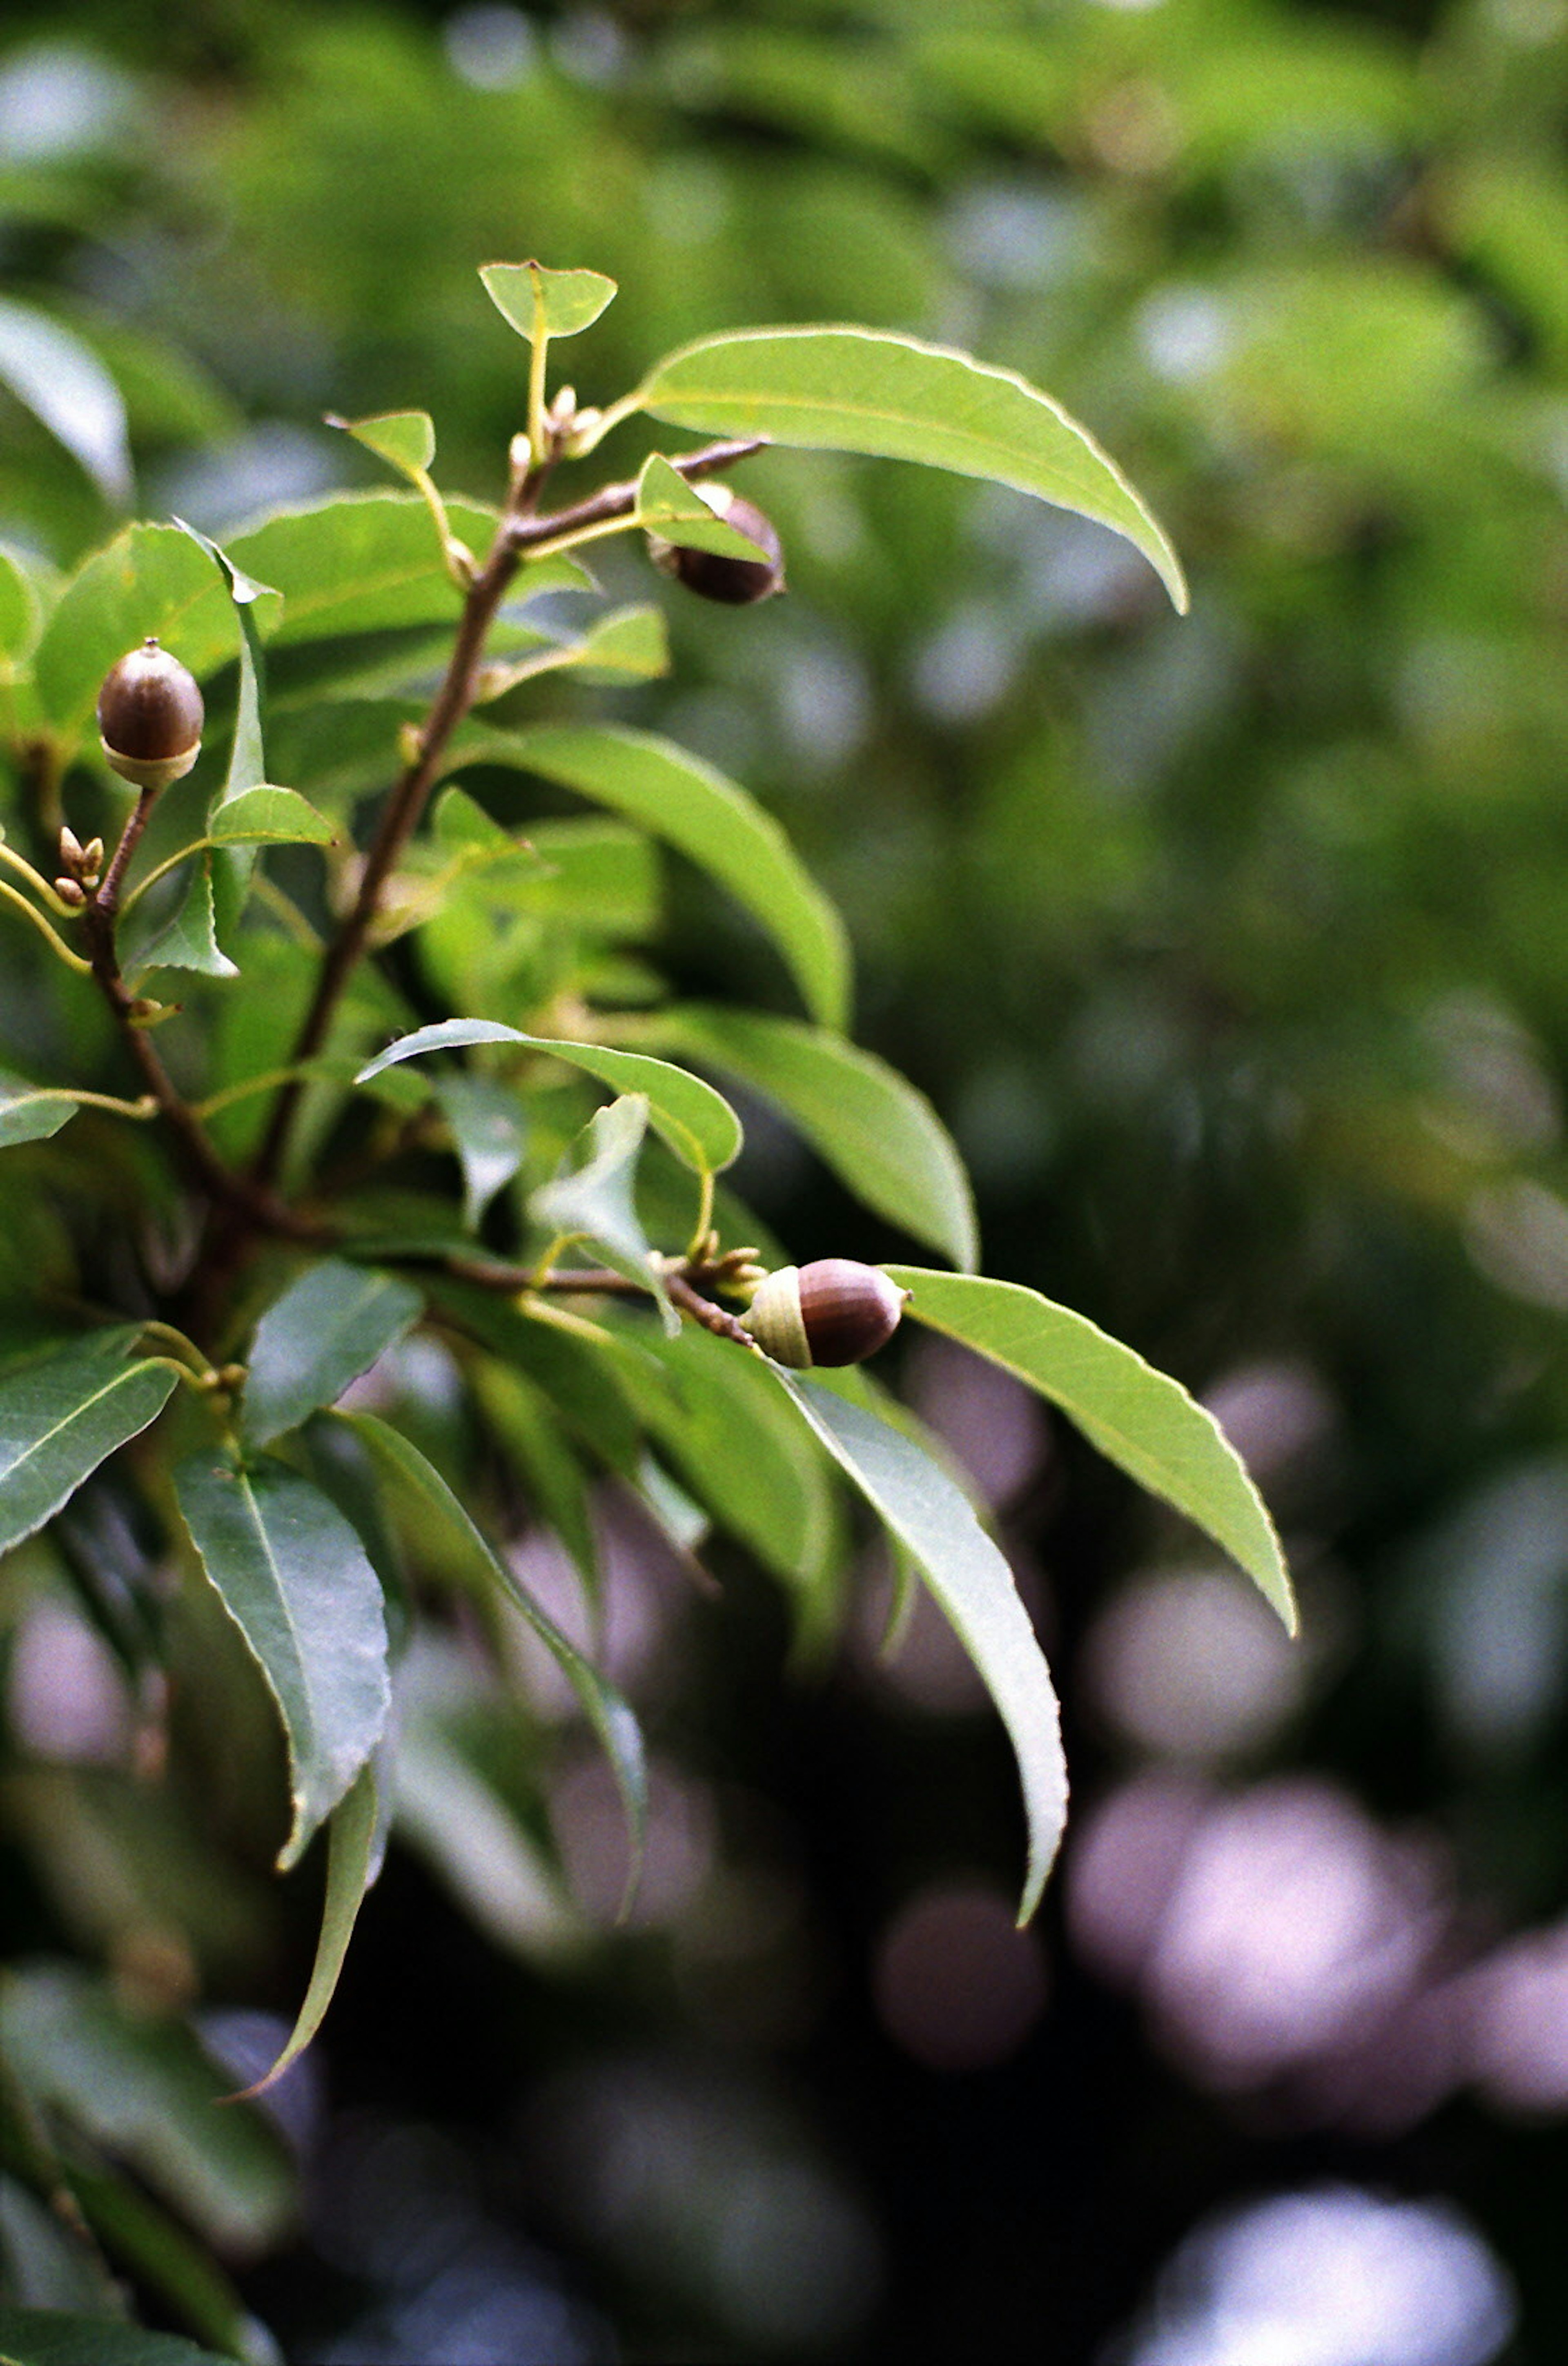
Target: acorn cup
(834, 1311)
(150, 717)
(718, 575)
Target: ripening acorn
(715, 574)
(834, 1311)
(150, 717)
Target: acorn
(834, 1311)
(715, 574)
(150, 717)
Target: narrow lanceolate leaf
(538, 302)
(595, 1201)
(1144, 1421)
(877, 1133)
(846, 390)
(607, 1712)
(48, 2337)
(327, 1328)
(294, 1577)
(61, 1412)
(934, 1520)
(698, 1123)
(351, 1841)
(677, 797)
(31, 1112)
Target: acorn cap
(835, 1310)
(718, 575)
(150, 717)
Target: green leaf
(610, 1716)
(21, 610)
(140, 2084)
(664, 498)
(31, 1112)
(698, 1123)
(151, 579)
(1145, 1422)
(683, 801)
(930, 1517)
(190, 938)
(63, 1411)
(47, 2337)
(744, 1454)
(877, 1133)
(405, 438)
(353, 1836)
(294, 1577)
(847, 390)
(269, 817)
(629, 644)
(489, 1135)
(63, 382)
(595, 1200)
(326, 1329)
(538, 302)
(367, 562)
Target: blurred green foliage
(1233, 949)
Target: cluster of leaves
(287, 1207)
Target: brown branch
(597, 1281)
(259, 1208)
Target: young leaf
(664, 498)
(538, 302)
(31, 1112)
(595, 1201)
(930, 1515)
(1142, 1420)
(877, 1133)
(352, 1837)
(610, 1716)
(405, 438)
(327, 1328)
(489, 1135)
(683, 801)
(266, 816)
(846, 390)
(188, 940)
(61, 1412)
(294, 1577)
(698, 1123)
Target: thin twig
(521, 532)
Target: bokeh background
(1235, 949)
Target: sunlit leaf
(405, 438)
(877, 1133)
(664, 499)
(684, 800)
(934, 1521)
(270, 816)
(535, 301)
(846, 390)
(1144, 1421)
(697, 1123)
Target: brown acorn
(150, 717)
(716, 574)
(834, 1311)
